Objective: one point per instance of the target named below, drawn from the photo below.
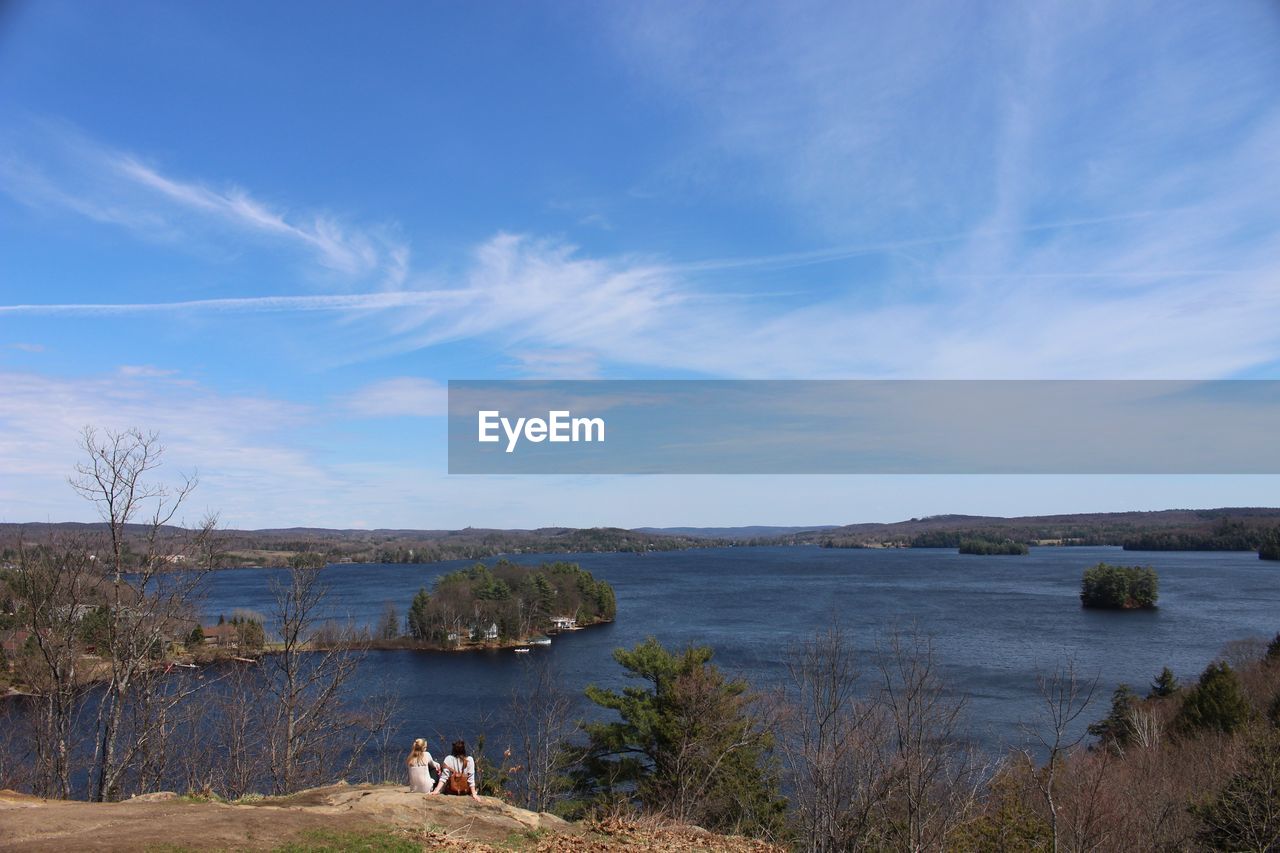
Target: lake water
(996, 621)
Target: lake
(996, 621)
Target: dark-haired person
(458, 773)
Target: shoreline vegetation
(507, 606)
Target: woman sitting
(458, 776)
(420, 764)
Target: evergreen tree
(1115, 730)
(390, 628)
(1166, 684)
(687, 745)
(419, 622)
(544, 596)
(1273, 650)
(1216, 703)
(249, 632)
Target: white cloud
(403, 396)
(247, 449)
(557, 312)
(144, 370)
(57, 167)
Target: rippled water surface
(996, 621)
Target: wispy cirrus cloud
(556, 311)
(1028, 200)
(405, 396)
(53, 165)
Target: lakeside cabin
(564, 623)
(220, 635)
(491, 633)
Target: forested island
(507, 604)
(988, 547)
(1109, 587)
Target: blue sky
(271, 232)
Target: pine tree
(1116, 729)
(419, 625)
(687, 745)
(1166, 684)
(1216, 703)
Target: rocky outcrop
(171, 822)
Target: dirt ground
(165, 822)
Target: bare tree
(541, 715)
(307, 720)
(1064, 698)
(53, 589)
(831, 741)
(934, 774)
(236, 731)
(153, 571)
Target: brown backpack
(458, 783)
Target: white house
(492, 632)
(564, 623)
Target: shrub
(1245, 814)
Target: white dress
(420, 775)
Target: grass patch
(524, 840)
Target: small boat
(523, 650)
(540, 641)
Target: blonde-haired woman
(420, 764)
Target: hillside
(1226, 528)
(386, 817)
(735, 534)
(274, 547)
(1186, 527)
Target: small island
(1004, 547)
(507, 605)
(1109, 587)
